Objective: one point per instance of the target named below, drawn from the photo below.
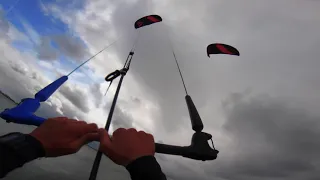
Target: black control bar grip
(170, 149)
(187, 152)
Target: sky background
(262, 108)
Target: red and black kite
(147, 20)
(219, 48)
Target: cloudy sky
(262, 108)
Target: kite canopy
(218, 48)
(147, 20)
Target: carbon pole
(96, 164)
(123, 72)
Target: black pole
(96, 164)
(195, 118)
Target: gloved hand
(62, 136)
(126, 145)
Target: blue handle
(47, 91)
(23, 113)
(26, 119)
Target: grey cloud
(4, 24)
(12, 79)
(67, 45)
(35, 76)
(121, 119)
(48, 111)
(98, 96)
(70, 46)
(70, 112)
(46, 51)
(270, 139)
(136, 100)
(78, 97)
(18, 68)
(266, 36)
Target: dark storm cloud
(270, 139)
